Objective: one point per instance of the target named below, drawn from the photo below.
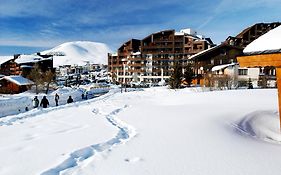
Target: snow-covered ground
(156, 131)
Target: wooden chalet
(8, 66)
(22, 64)
(230, 49)
(14, 84)
(222, 54)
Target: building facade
(228, 51)
(151, 59)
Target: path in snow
(10, 120)
(75, 158)
(125, 133)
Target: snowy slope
(156, 131)
(79, 53)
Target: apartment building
(151, 59)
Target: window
(242, 71)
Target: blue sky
(28, 26)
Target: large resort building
(151, 60)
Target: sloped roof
(210, 50)
(220, 67)
(19, 80)
(204, 52)
(4, 59)
(30, 59)
(267, 43)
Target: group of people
(45, 102)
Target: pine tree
(175, 79)
(188, 74)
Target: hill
(79, 53)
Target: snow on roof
(179, 33)
(19, 80)
(114, 54)
(4, 59)
(220, 67)
(203, 52)
(136, 53)
(28, 59)
(267, 43)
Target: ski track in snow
(125, 133)
(10, 120)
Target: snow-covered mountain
(79, 53)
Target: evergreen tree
(188, 74)
(175, 79)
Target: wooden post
(263, 60)
(278, 81)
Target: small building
(14, 84)
(237, 76)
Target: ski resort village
(147, 88)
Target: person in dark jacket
(69, 100)
(44, 102)
(35, 102)
(57, 97)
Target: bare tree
(48, 78)
(36, 76)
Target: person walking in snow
(57, 97)
(44, 102)
(86, 96)
(69, 100)
(35, 102)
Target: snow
(19, 80)
(29, 59)
(219, 67)
(262, 125)
(204, 51)
(79, 53)
(4, 59)
(151, 131)
(269, 42)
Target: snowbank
(263, 125)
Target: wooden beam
(263, 60)
(278, 81)
(260, 60)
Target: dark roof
(212, 49)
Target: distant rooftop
(267, 43)
(19, 80)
